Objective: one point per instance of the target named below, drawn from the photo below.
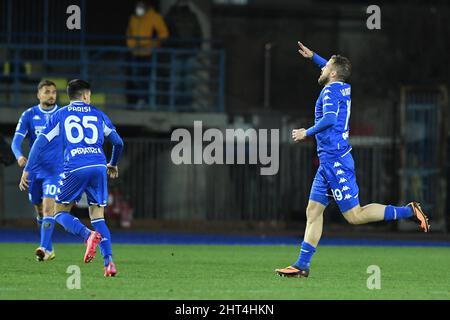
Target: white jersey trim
(53, 133)
(48, 111)
(346, 153)
(107, 130)
(91, 166)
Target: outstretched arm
(33, 157)
(48, 134)
(330, 103)
(327, 121)
(307, 53)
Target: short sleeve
(52, 128)
(22, 125)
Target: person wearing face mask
(146, 29)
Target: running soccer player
(337, 169)
(83, 128)
(44, 176)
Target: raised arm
(309, 54)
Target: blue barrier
(173, 79)
(128, 237)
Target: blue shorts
(336, 179)
(40, 187)
(90, 179)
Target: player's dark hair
(45, 83)
(76, 88)
(342, 66)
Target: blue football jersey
(31, 124)
(82, 128)
(333, 141)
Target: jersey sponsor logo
(336, 164)
(347, 196)
(38, 129)
(345, 135)
(88, 150)
(342, 180)
(339, 172)
(79, 109)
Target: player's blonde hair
(342, 66)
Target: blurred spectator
(146, 29)
(185, 33)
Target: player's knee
(352, 217)
(48, 211)
(312, 212)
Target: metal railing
(158, 189)
(172, 79)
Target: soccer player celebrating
(83, 128)
(337, 169)
(44, 175)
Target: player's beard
(323, 80)
(49, 104)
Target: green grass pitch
(226, 272)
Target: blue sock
(48, 225)
(397, 213)
(306, 253)
(72, 225)
(105, 245)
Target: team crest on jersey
(47, 116)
